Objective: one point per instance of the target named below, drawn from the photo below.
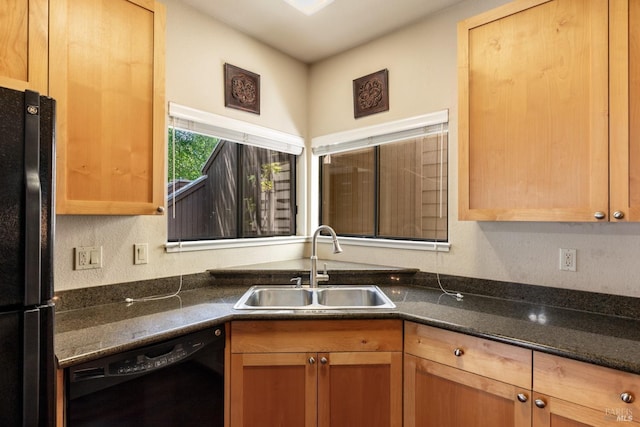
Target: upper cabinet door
(107, 73)
(533, 112)
(625, 110)
(24, 44)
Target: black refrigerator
(27, 361)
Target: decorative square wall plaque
(241, 89)
(371, 94)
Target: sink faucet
(314, 276)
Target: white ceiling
(342, 25)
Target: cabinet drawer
(586, 384)
(492, 359)
(315, 335)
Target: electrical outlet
(140, 253)
(568, 259)
(88, 257)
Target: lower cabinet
(273, 389)
(316, 373)
(440, 396)
(349, 373)
(569, 393)
(60, 387)
(452, 380)
(551, 412)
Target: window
(222, 186)
(393, 188)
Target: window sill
(204, 245)
(395, 244)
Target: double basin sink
(285, 297)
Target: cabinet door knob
(540, 403)
(626, 397)
(160, 209)
(323, 360)
(522, 397)
(618, 214)
(312, 360)
(458, 352)
(600, 215)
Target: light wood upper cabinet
(316, 373)
(534, 112)
(625, 109)
(107, 74)
(24, 45)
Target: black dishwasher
(178, 382)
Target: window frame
(371, 136)
(243, 133)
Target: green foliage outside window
(192, 151)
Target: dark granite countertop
(85, 332)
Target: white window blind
(385, 133)
(202, 122)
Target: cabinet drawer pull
(599, 215)
(540, 403)
(522, 397)
(312, 360)
(458, 352)
(626, 397)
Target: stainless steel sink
(352, 297)
(324, 298)
(277, 297)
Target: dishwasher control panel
(142, 362)
(147, 359)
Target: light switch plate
(140, 253)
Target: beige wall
(422, 69)
(197, 49)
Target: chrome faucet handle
(298, 281)
(324, 276)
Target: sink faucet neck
(314, 277)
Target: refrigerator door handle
(33, 199)
(31, 368)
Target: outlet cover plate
(568, 259)
(88, 257)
